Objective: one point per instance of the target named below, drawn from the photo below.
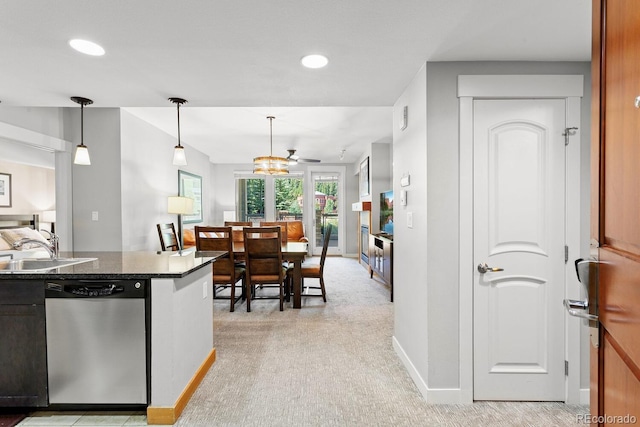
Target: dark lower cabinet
(381, 259)
(23, 354)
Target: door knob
(484, 268)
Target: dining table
(294, 252)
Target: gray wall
(409, 244)
(149, 178)
(96, 188)
(427, 315)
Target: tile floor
(68, 419)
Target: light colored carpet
(331, 365)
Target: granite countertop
(124, 265)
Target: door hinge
(566, 254)
(566, 368)
(567, 133)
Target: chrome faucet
(55, 243)
(51, 249)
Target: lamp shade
(180, 205)
(270, 165)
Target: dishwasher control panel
(95, 288)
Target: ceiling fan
(293, 159)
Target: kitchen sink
(38, 264)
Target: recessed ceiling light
(86, 47)
(314, 61)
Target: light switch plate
(410, 219)
(404, 118)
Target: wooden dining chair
(263, 257)
(226, 273)
(316, 271)
(281, 224)
(237, 227)
(168, 237)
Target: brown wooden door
(615, 363)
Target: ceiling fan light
(179, 157)
(82, 156)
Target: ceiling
(237, 61)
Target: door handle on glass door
(484, 268)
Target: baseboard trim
(168, 415)
(413, 372)
(431, 395)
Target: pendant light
(270, 165)
(179, 157)
(82, 152)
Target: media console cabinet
(381, 258)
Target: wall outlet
(410, 219)
(94, 216)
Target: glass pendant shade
(271, 165)
(179, 158)
(82, 156)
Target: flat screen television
(386, 213)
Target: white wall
(426, 299)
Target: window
(288, 194)
(250, 199)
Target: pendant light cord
(82, 125)
(271, 135)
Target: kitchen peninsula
(170, 297)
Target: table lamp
(182, 206)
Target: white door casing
(519, 173)
(470, 88)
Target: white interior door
(519, 211)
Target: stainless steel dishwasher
(97, 342)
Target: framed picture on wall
(365, 189)
(5, 190)
(190, 185)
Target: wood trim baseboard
(168, 415)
